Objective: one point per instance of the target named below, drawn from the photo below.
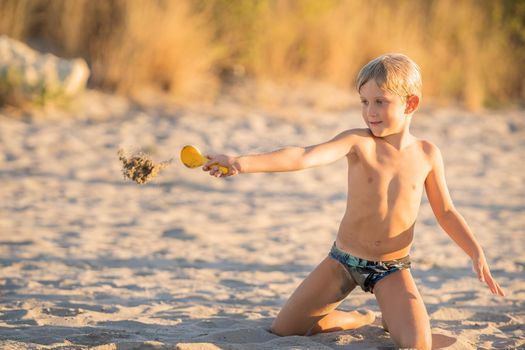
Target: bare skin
(388, 168)
(311, 308)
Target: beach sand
(187, 261)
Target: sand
(139, 167)
(188, 261)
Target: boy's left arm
(453, 223)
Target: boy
(387, 171)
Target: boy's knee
(422, 341)
(275, 329)
(281, 330)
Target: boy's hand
(481, 268)
(223, 160)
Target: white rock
(27, 73)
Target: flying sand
(139, 167)
(142, 169)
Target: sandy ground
(88, 259)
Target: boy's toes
(364, 317)
(368, 316)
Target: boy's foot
(342, 320)
(358, 318)
(367, 316)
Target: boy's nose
(371, 112)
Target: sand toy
(193, 158)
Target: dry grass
(130, 45)
(468, 50)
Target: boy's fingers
(209, 162)
(478, 269)
(215, 171)
(494, 286)
(482, 270)
(501, 291)
(212, 165)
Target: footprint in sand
(62, 312)
(17, 317)
(490, 317)
(178, 233)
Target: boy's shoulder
(358, 136)
(358, 132)
(430, 148)
(431, 152)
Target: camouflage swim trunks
(367, 273)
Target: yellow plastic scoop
(193, 158)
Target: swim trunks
(367, 273)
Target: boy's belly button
(377, 243)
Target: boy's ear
(412, 104)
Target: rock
(28, 75)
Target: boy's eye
(363, 102)
(379, 102)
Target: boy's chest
(383, 167)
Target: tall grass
(129, 45)
(470, 51)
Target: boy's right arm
(453, 222)
(285, 159)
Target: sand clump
(139, 167)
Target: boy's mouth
(375, 123)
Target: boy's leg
(403, 310)
(311, 308)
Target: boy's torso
(385, 186)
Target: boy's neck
(400, 140)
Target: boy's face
(383, 111)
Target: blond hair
(393, 72)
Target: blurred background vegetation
(470, 51)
